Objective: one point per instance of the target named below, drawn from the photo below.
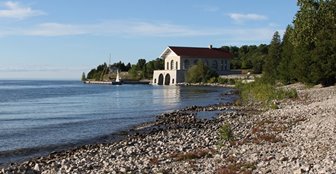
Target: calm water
(36, 114)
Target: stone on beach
(297, 138)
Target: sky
(58, 40)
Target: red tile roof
(200, 52)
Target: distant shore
(132, 82)
(298, 137)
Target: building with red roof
(179, 59)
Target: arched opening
(186, 64)
(167, 79)
(171, 64)
(160, 79)
(176, 65)
(167, 65)
(195, 62)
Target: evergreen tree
(324, 55)
(273, 59)
(314, 41)
(286, 67)
(83, 77)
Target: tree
(200, 73)
(83, 77)
(286, 67)
(157, 64)
(272, 60)
(99, 72)
(141, 63)
(133, 72)
(128, 66)
(314, 41)
(258, 58)
(324, 54)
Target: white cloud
(240, 17)
(124, 28)
(142, 29)
(17, 11)
(55, 29)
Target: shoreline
(296, 138)
(164, 122)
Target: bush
(263, 93)
(213, 80)
(222, 80)
(225, 132)
(200, 73)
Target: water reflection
(167, 95)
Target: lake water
(41, 114)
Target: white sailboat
(117, 80)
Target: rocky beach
(298, 137)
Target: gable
(167, 52)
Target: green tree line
(307, 52)
(140, 70)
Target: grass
(264, 94)
(222, 80)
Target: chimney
(210, 46)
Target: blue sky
(48, 39)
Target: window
(176, 65)
(171, 64)
(167, 65)
(225, 64)
(222, 65)
(172, 81)
(186, 64)
(214, 65)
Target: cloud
(142, 29)
(240, 17)
(17, 11)
(124, 28)
(55, 29)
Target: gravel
(299, 137)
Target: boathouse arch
(167, 79)
(160, 82)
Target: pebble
(292, 139)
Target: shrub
(225, 132)
(262, 93)
(213, 80)
(232, 81)
(222, 80)
(200, 73)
